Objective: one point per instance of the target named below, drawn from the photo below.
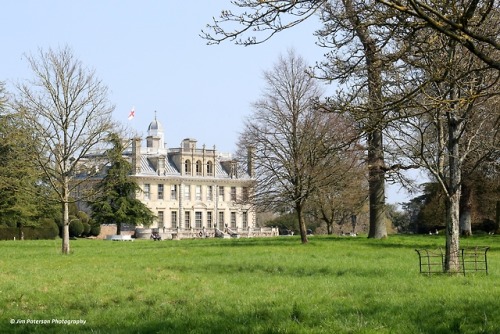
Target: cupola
(156, 135)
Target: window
(173, 219)
(197, 219)
(197, 193)
(187, 167)
(210, 193)
(160, 191)
(233, 194)
(173, 192)
(187, 219)
(199, 168)
(233, 173)
(187, 192)
(244, 193)
(210, 168)
(147, 191)
(233, 219)
(161, 222)
(209, 219)
(221, 220)
(245, 219)
(221, 194)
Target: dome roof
(155, 126)
(156, 136)
(155, 129)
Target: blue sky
(150, 56)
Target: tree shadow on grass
(433, 242)
(424, 315)
(256, 318)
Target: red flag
(131, 114)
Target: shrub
(75, 228)
(95, 229)
(8, 233)
(84, 218)
(29, 232)
(86, 229)
(48, 229)
(285, 223)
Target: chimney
(250, 166)
(136, 155)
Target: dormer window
(210, 168)
(199, 168)
(233, 173)
(187, 167)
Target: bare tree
(347, 192)
(367, 42)
(379, 28)
(364, 38)
(68, 109)
(450, 122)
(473, 24)
(293, 145)
(482, 158)
(261, 21)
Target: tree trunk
(329, 222)
(452, 263)
(466, 211)
(118, 228)
(20, 234)
(354, 223)
(376, 186)
(302, 224)
(466, 222)
(376, 164)
(329, 228)
(65, 230)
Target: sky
(151, 57)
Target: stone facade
(191, 189)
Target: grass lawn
(278, 285)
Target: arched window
(187, 167)
(199, 168)
(210, 168)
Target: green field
(331, 285)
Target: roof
(148, 169)
(155, 125)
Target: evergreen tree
(116, 202)
(24, 198)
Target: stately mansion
(193, 191)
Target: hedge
(28, 233)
